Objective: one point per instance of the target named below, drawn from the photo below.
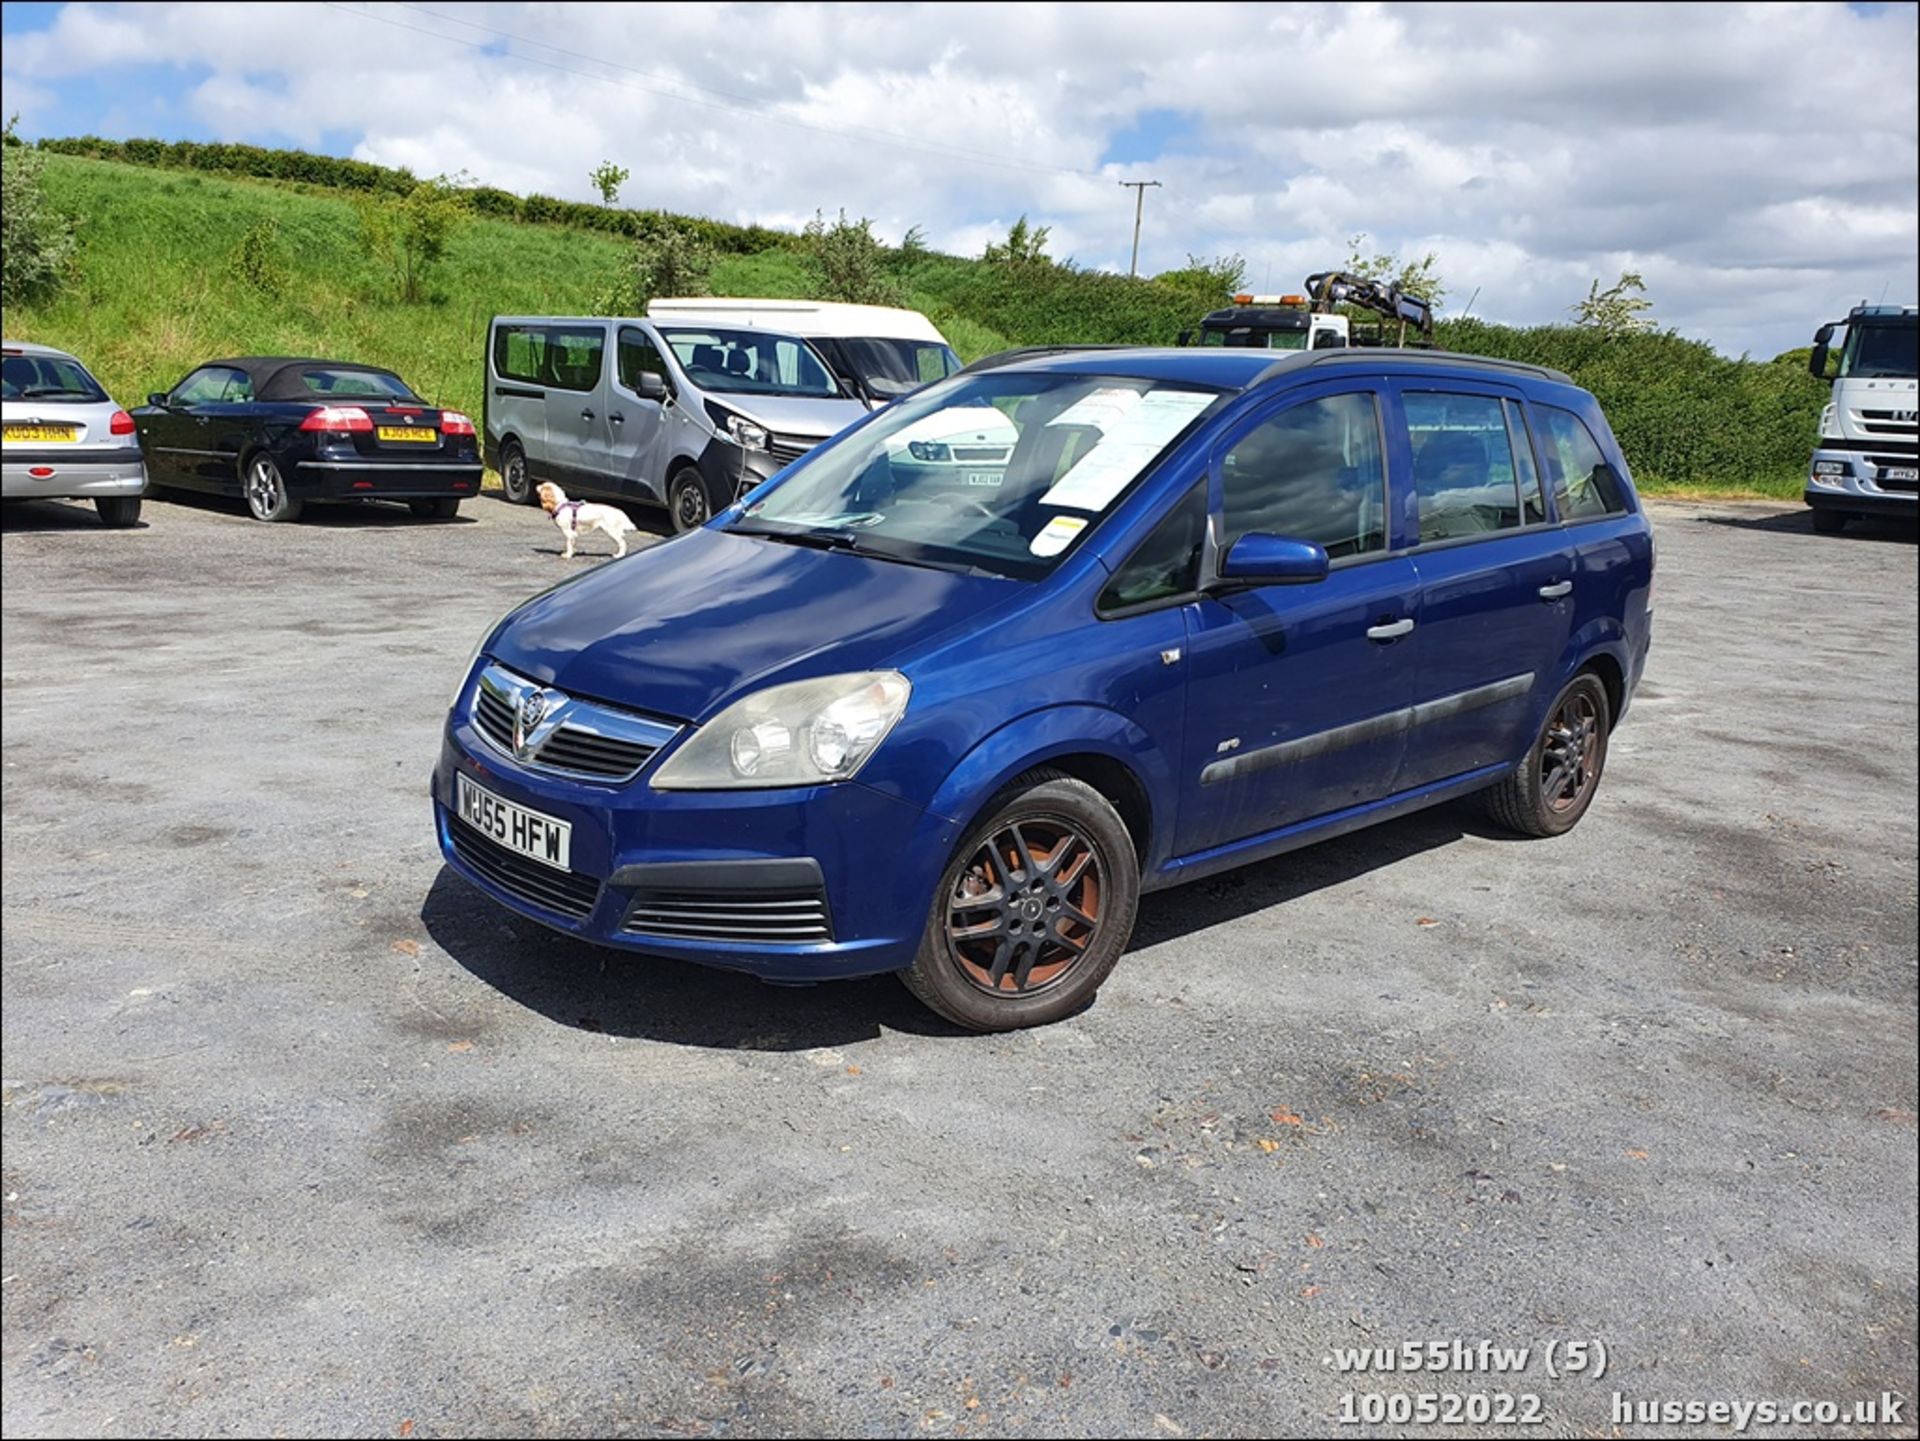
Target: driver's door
(180, 448)
(1298, 696)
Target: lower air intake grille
(794, 917)
(787, 449)
(566, 892)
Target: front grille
(572, 749)
(994, 453)
(792, 917)
(566, 892)
(1902, 487)
(572, 736)
(787, 449)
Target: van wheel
(117, 511)
(513, 474)
(265, 490)
(1033, 911)
(1829, 522)
(1549, 791)
(688, 502)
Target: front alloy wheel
(266, 491)
(1033, 910)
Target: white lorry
(1866, 461)
(1311, 321)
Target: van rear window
(520, 353)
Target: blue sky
(1531, 148)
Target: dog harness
(572, 510)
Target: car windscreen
(1882, 350)
(332, 383)
(749, 362)
(891, 368)
(1031, 463)
(48, 377)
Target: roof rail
(1027, 352)
(1393, 356)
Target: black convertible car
(279, 431)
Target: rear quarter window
(520, 353)
(1584, 484)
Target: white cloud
(1757, 163)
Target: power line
(722, 100)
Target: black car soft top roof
(277, 377)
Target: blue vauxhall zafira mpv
(1192, 609)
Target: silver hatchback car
(63, 438)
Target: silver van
(686, 416)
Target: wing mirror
(1817, 359)
(650, 386)
(1257, 558)
(156, 397)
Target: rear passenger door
(1495, 577)
(577, 447)
(1612, 550)
(1296, 694)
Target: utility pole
(1139, 196)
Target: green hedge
(334, 172)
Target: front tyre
(1550, 790)
(266, 491)
(117, 511)
(1033, 911)
(445, 508)
(689, 503)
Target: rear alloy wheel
(513, 474)
(688, 503)
(266, 491)
(1033, 911)
(1549, 792)
(1829, 522)
(117, 511)
(445, 508)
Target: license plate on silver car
(1900, 472)
(537, 837)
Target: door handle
(617, 418)
(586, 415)
(1390, 630)
(1556, 590)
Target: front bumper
(51, 474)
(637, 853)
(1862, 483)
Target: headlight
(1829, 467)
(928, 450)
(746, 434)
(804, 733)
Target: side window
(636, 356)
(239, 388)
(520, 353)
(206, 386)
(1313, 473)
(1463, 470)
(574, 356)
(1584, 484)
(1167, 562)
(1532, 505)
(934, 362)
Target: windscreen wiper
(850, 541)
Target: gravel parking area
(303, 1135)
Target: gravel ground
(302, 1135)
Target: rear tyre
(1033, 911)
(514, 478)
(266, 491)
(117, 511)
(1551, 789)
(446, 508)
(1829, 522)
(689, 502)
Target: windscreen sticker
(1133, 432)
(1057, 535)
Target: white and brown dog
(575, 516)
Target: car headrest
(738, 362)
(707, 357)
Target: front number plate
(411, 434)
(1901, 472)
(535, 836)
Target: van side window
(1533, 505)
(1167, 562)
(1584, 485)
(520, 353)
(1463, 470)
(574, 356)
(636, 356)
(1312, 472)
